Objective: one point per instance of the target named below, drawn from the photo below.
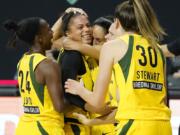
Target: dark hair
(138, 16)
(125, 13)
(66, 18)
(25, 30)
(104, 21)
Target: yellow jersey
(140, 77)
(36, 100)
(111, 97)
(113, 93)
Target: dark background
(167, 12)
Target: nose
(51, 33)
(86, 29)
(107, 36)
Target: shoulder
(114, 50)
(114, 44)
(48, 66)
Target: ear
(117, 23)
(38, 39)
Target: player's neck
(36, 49)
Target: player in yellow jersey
(39, 80)
(139, 69)
(75, 26)
(100, 29)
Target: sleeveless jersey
(85, 80)
(141, 80)
(112, 98)
(35, 97)
(112, 94)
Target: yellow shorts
(39, 128)
(76, 129)
(144, 127)
(107, 129)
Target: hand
(82, 118)
(73, 9)
(176, 74)
(73, 86)
(69, 44)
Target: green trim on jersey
(126, 60)
(41, 129)
(163, 58)
(126, 127)
(39, 89)
(59, 56)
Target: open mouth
(86, 36)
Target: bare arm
(104, 110)
(50, 73)
(109, 55)
(166, 52)
(104, 119)
(92, 51)
(57, 44)
(56, 28)
(101, 86)
(86, 49)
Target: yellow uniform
(39, 115)
(72, 125)
(141, 80)
(111, 97)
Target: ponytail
(138, 16)
(25, 30)
(12, 26)
(147, 22)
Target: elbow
(59, 107)
(97, 104)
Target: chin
(88, 41)
(49, 46)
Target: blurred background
(167, 12)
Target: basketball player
(139, 69)
(39, 80)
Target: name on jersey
(147, 85)
(27, 101)
(31, 109)
(148, 81)
(146, 75)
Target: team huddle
(108, 78)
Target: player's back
(39, 112)
(141, 80)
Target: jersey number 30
(151, 52)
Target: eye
(80, 27)
(88, 25)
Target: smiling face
(79, 29)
